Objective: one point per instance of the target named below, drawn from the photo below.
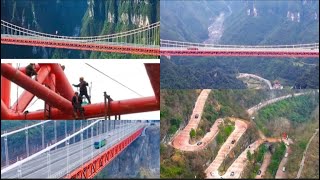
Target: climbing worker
(83, 88)
(30, 70)
(76, 103)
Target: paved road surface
(38, 168)
(242, 75)
(265, 164)
(266, 103)
(240, 163)
(181, 141)
(280, 174)
(240, 129)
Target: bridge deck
(38, 168)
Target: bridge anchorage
(57, 96)
(179, 48)
(143, 40)
(78, 152)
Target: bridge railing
(43, 158)
(142, 35)
(177, 44)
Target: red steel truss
(126, 49)
(59, 95)
(94, 166)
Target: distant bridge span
(178, 48)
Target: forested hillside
(76, 18)
(244, 23)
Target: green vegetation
(276, 159)
(311, 163)
(260, 155)
(301, 135)
(296, 109)
(209, 113)
(271, 26)
(249, 156)
(89, 18)
(224, 132)
(112, 17)
(255, 162)
(179, 164)
(192, 133)
(175, 123)
(176, 107)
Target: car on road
(284, 169)
(99, 144)
(199, 143)
(196, 116)
(259, 172)
(192, 48)
(152, 124)
(286, 155)
(233, 141)
(211, 173)
(232, 174)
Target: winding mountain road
(182, 140)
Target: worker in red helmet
(76, 103)
(30, 70)
(83, 88)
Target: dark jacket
(83, 88)
(30, 70)
(74, 101)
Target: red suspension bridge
(68, 155)
(146, 40)
(143, 40)
(179, 48)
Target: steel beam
(5, 91)
(26, 97)
(153, 71)
(95, 110)
(125, 49)
(34, 87)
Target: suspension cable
(18, 65)
(114, 79)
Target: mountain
(240, 23)
(76, 18)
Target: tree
(192, 133)
(249, 155)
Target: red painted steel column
(26, 97)
(51, 82)
(5, 91)
(62, 86)
(34, 87)
(153, 71)
(4, 111)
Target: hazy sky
(131, 73)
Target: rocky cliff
(140, 160)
